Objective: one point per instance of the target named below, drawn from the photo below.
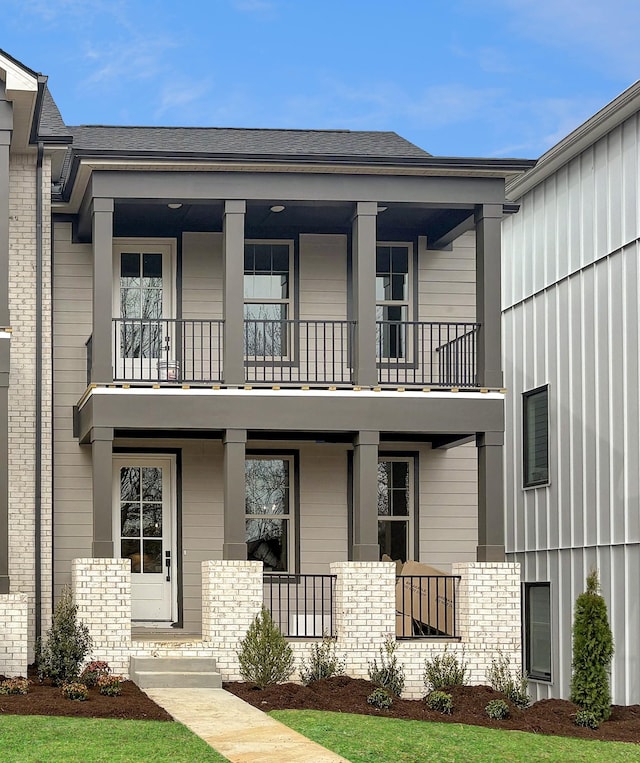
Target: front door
(144, 531)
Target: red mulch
(45, 699)
(349, 695)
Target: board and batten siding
(571, 316)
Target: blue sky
(461, 77)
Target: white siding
(447, 282)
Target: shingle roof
(51, 122)
(245, 142)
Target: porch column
(235, 543)
(102, 473)
(490, 497)
(6, 125)
(233, 293)
(102, 327)
(489, 360)
(365, 372)
(365, 497)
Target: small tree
(592, 652)
(265, 656)
(67, 643)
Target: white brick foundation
(13, 634)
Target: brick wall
(13, 630)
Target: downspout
(38, 454)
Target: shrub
(264, 655)
(390, 674)
(110, 686)
(380, 698)
(323, 662)
(93, 671)
(75, 690)
(592, 652)
(67, 643)
(587, 719)
(440, 701)
(444, 670)
(513, 685)
(14, 686)
(497, 709)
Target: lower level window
(268, 511)
(395, 507)
(538, 630)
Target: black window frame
(527, 482)
(532, 674)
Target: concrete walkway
(237, 730)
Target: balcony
(292, 352)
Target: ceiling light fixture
(382, 209)
(277, 208)
(174, 205)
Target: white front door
(144, 516)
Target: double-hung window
(538, 630)
(395, 507)
(269, 514)
(267, 299)
(536, 436)
(393, 269)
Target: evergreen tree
(265, 656)
(592, 652)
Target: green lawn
(367, 739)
(48, 739)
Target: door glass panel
(130, 549)
(130, 483)
(151, 484)
(152, 520)
(141, 517)
(130, 520)
(130, 269)
(152, 557)
(141, 301)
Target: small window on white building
(538, 630)
(536, 436)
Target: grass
(367, 739)
(48, 739)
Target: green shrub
(14, 686)
(497, 709)
(110, 686)
(444, 670)
(67, 643)
(75, 691)
(440, 701)
(93, 671)
(592, 652)
(265, 656)
(587, 719)
(380, 698)
(323, 662)
(513, 685)
(389, 674)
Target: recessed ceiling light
(278, 208)
(175, 205)
(382, 209)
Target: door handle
(167, 564)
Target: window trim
(526, 395)
(293, 538)
(526, 641)
(408, 359)
(412, 458)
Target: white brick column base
(102, 591)
(231, 598)
(13, 627)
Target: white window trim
(408, 302)
(410, 518)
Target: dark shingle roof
(245, 142)
(51, 122)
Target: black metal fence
(426, 606)
(415, 353)
(302, 606)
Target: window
(392, 300)
(267, 299)
(538, 631)
(395, 507)
(536, 437)
(269, 511)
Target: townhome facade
(570, 302)
(251, 346)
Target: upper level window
(395, 507)
(536, 436)
(267, 298)
(392, 299)
(538, 630)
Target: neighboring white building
(571, 323)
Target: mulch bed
(45, 699)
(349, 695)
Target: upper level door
(143, 295)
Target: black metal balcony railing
(426, 606)
(301, 605)
(439, 354)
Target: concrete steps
(175, 672)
